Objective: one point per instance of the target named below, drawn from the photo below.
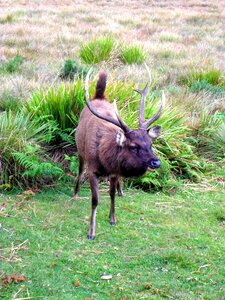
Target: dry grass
(176, 35)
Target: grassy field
(164, 246)
(176, 35)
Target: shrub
(58, 108)
(73, 69)
(20, 137)
(97, 50)
(132, 55)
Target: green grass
(162, 247)
(132, 55)
(210, 79)
(12, 65)
(97, 50)
(73, 69)
(7, 19)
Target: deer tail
(100, 86)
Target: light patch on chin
(150, 170)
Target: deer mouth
(150, 169)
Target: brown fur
(99, 149)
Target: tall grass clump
(22, 137)
(132, 55)
(14, 64)
(9, 102)
(73, 69)
(208, 79)
(97, 50)
(59, 108)
(7, 19)
(210, 134)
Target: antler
(143, 94)
(118, 122)
(142, 123)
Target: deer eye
(134, 149)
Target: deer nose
(155, 163)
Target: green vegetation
(9, 102)
(132, 55)
(21, 157)
(169, 240)
(186, 152)
(97, 50)
(162, 247)
(58, 108)
(12, 65)
(72, 69)
(209, 79)
(7, 19)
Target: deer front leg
(113, 186)
(94, 191)
(119, 188)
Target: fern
(33, 165)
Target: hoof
(75, 197)
(112, 223)
(91, 237)
(120, 194)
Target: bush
(97, 50)
(132, 55)
(21, 154)
(58, 108)
(72, 69)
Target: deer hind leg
(94, 191)
(119, 188)
(81, 170)
(113, 186)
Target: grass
(132, 55)
(97, 50)
(209, 78)
(12, 65)
(73, 69)
(162, 247)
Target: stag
(108, 147)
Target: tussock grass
(97, 50)
(7, 19)
(12, 65)
(132, 55)
(73, 69)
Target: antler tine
(143, 94)
(123, 124)
(118, 122)
(157, 115)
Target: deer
(108, 147)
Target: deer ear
(155, 132)
(120, 138)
